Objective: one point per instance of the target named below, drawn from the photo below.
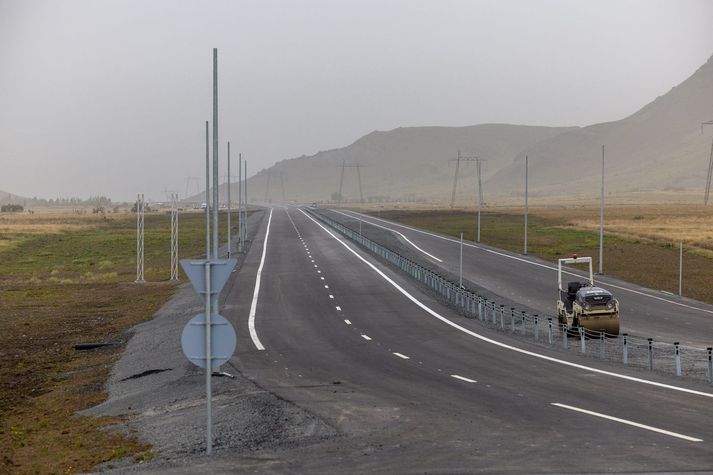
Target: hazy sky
(111, 97)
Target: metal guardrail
(629, 350)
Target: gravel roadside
(160, 396)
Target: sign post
(208, 339)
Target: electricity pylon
(358, 167)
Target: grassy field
(68, 279)
(641, 243)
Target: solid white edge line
(627, 422)
(366, 337)
(504, 345)
(552, 268)
(463, 378)
(402, 356)
(396, 232)
(256, 292)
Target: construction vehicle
(582, 304)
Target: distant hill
(658, 148)
(9, 198)
(406, 163)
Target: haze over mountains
(658, 148)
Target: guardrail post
(523, 329)
(549, 329)
(537, 329)
(512, 319)
(625, 351)
(481, 301)
(710, 364)
(564, 335)
(494, 311)
(602, 351)
(677, 353)
(651, 353)
(502, 317)
(582, 345)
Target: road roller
(583, 304)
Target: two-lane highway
(414, 387)
(533, 282)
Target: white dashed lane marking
(366, 337)
(462, 378)
(347, 322)
(402, 356)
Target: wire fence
(629, 350)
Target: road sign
(223, 340)
(220, 270)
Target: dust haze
(110, 98)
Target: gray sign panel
(222, 343)
(220, 270)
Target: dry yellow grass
(692, 224)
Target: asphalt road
(533, 282)
(412, 387)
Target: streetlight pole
(526, 208)
(601, 220)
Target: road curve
(533, 282)
(412, 393)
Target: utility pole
(526, 208)
(229, 200)
(710, 167)
(140, 239)
(601, 220)
(174, 236)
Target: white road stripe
(396, 232)
(326, 286)
(347, 322)
(366, 337)
(402, 356)
(502, 254)
(631, 423)
(339, 309)
(462, 378)
(256, 292)
(504, 345)
(331, 296)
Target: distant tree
(11, 208)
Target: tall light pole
(240, 202)
(207, 191)
(480, 195)
(228, 200)
(216, 179)
(460, 269)
(526, 209)
(601, 220)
